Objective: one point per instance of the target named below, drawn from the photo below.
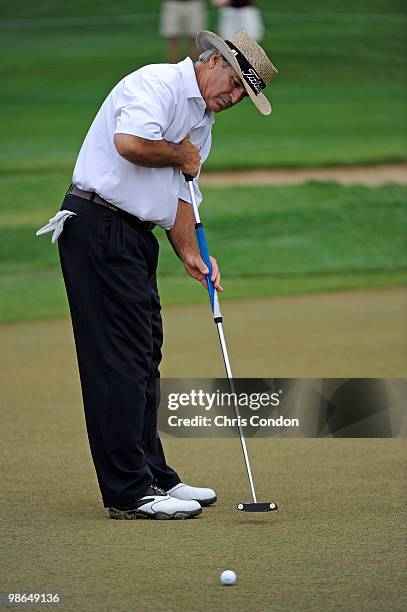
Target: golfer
(154, 126)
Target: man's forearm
(183, 240)
(159, 153)
(149, 153)
(182, 233)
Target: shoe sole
(207, 502)
(204, 502)
(160, 516)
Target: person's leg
(106, 265)
(194, 21)
(252, 22)
(171, 28)
(193, 49)
(229, 22)
(164, 475)
(173, 50)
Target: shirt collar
(187, 70)
(186, 67)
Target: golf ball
(228, 577)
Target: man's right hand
(159, 153)
(190, 158)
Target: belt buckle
(109, 206)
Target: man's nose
(238, 94)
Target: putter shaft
(218, 320)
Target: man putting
(154, 126)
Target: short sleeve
(184, 191)
(204, 149)
(145, 106)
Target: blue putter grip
(203, 249)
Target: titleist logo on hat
(250, 75)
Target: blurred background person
(182, 20)
(239, 15)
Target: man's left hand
(196, 267)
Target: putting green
(349, 334)
(336, 542)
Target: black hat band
(250, 75)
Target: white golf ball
(228, 577)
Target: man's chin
(216, 106)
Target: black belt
(92, 196)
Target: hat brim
(208, 40)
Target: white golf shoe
(156, 504)
(187, 493)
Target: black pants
(109, 266)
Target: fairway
(339, 97)
(269, 241)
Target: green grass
(339, 98)
(268, 241)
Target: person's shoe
(187, 493)
(156, 504)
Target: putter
(254, 506)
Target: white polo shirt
(156, 102)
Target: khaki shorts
(247, 19)
(179, 19)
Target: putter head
(258, 507)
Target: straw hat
(248, 59)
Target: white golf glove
(56, 224)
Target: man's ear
(215, 59)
